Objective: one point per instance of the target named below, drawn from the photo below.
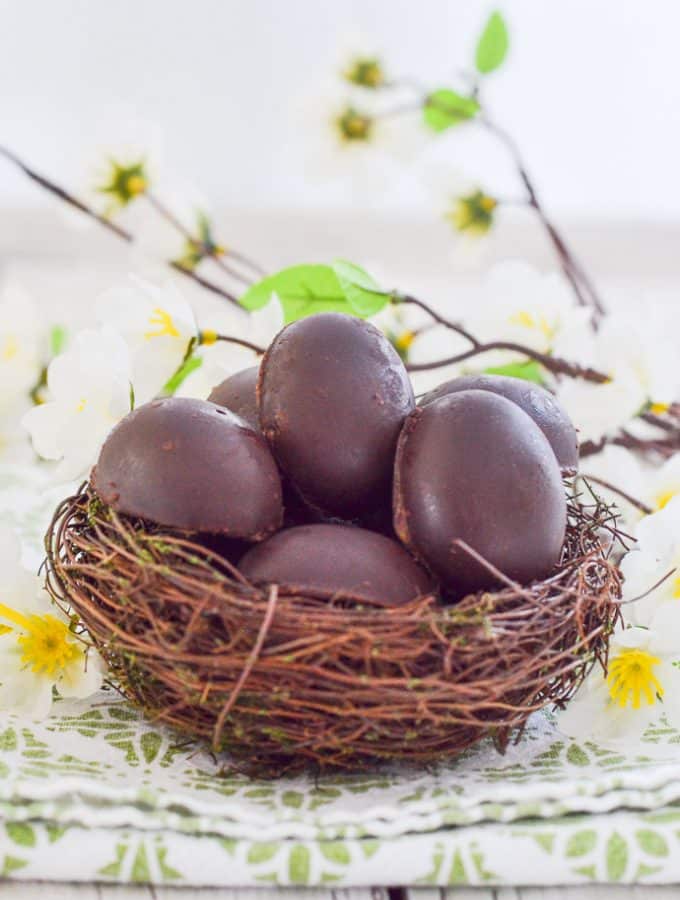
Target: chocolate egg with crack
(474, 467)
(238, 393)
(340, 561)
(539, 404)
(333, 395)
(191, 465)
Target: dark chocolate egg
(536, 402)
(192, 465)
(473, 466)
(337, 561)
(333, 395)
(238, 393)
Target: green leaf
(581, 843)
(335, 852)
(188, 366)
(617, 857)
(362, 292)
(299, 865)
(577, 756)
(261, 853)
(492, 47)
(445, 108)
(21, 834)
(528, 371)
(58, 338)
(150, 743)
(303, 291)
(652, 842)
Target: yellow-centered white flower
(39, 651)
(642, 684)
(640, 359)
(156, 323)
(89, 392)
(656, 554)
(20, 347)
(653, 485)
(520, 304)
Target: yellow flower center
(10, 348)
(165, 323)
(665, 498)
(528, 320)
(136, 185)
(659, 408)
(631, 676)
(354, 126)
(81, 406)
(404, 340)
(47, 646)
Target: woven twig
(284, 682)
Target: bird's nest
(283, 682)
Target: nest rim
(192, 644)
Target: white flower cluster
(643, 681)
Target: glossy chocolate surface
(192, 465)
(475, 467)
(333, 395)
(541, 405)
(337, 561)
(238, 394)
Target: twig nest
(472, 467)
(238, 393)
(189, 464)
(539, 404)
(333, 395)
(286, 681)
(329, 561)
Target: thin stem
(643, 507)
(166, 213)
(120, 232)
(65, 196)
(572, 268)
(553, 364)
(207, 338)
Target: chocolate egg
(337, 561)
(333, 395)
(473, 466)
(536, 402)
(192, 465)
(238, 393)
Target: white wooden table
(49, 891)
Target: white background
(591, 92)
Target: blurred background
(234, 89)
(590, 91)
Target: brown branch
(65, 196)
(210, 337)
(571, 267)
(206, 249)
(665, 447)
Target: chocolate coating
(333, 395)
(238, 393)
(192, 465)
(337, 560)
(474, 466)
(536, 402)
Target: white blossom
(655, 556)
(38, 649)
(157, 324)
(643, 682)
(88, 393)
